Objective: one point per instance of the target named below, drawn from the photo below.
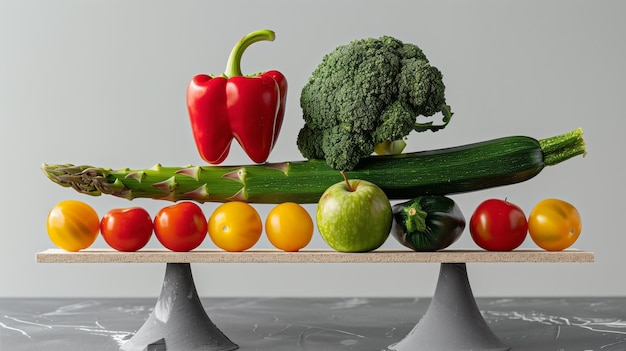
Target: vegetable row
(425, 223)
(234, 226)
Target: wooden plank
(312, 256)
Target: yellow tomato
(289, 227)
(73, 225)
(554, 224)
(235, 226)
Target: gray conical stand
(178, 322)
(452, 321)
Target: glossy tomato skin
(126, 229)
(289, 227)
(180, 227)
(554, 224)
(235, 226)
(498, 225)
(73, 225)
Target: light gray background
(103, 83)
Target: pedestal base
(452, 321)
(179, 321)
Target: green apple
(354, 216)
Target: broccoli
(365, 93)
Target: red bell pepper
(248, 108)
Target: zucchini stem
(559, 148)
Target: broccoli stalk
(366, 96)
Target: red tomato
(498, 225)
(126, 229)
(180, 227)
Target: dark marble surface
(290, 324)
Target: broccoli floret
(343, 146)
(395, 121)
(310, 142)
(421, 86)
(364, 93)
(340, 146)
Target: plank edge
(314, 256)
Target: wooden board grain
(313, 256)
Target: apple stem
(350, 188)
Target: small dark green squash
(427, 223)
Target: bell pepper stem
(233, 66)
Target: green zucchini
(460, 169)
